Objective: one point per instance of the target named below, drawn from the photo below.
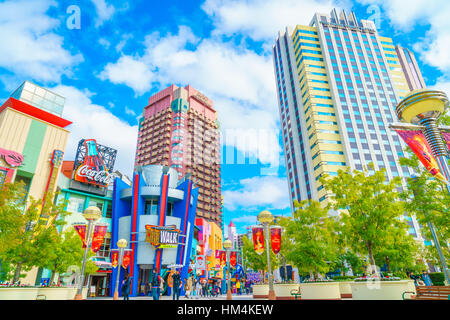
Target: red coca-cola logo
(94, 176)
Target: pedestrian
(147, 289)
(126, 287)
(176, 286)
(161, 286)
(155, 284)
(188, 287)
(426, 279)
(238, 287)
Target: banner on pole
(233, 258)
(419, 145)
(258, 239)
(126, 258)
(81, 230)
(275, 238)
(114, 257)
(222, 256)
(98, 237)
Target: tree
(428, 199)
(310, 240)
(26, 227)
(370, 208)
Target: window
(76, 204)
(108, 210)
(96, 203)
(151, 207)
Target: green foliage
(25, 230)
(310, 242)
(256, 261)
(428, 199)
(437, 278)
(370, 210)
(343, 278)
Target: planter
(260, 291)
(320, 291)
(283, 290)
(74, 290)
(381, 290)
(345, 289)
(57, 293)
(18, 293)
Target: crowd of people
(194, 287)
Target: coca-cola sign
(94, 163)
(97, 177)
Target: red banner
(275, 238)
(446, 136)
(233, 258)
(114, 257)
(126, 258)
(98, 237)
(81, 230)
(258, 239)
(419, 145)
(222, 256)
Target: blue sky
(125, 51)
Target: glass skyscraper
(338, 82)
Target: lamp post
(91, 214)
(121, 244)
(265, 218)
(227, 245)
(423, 107)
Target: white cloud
(404, 15)
(262, 19)
(260, 191)
(29, 48)
(129, 71)
(239, 81)
(96, 122)
(104, 12)
(130, 112)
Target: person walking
(176, 277)
(126, 287)
(155, 284)
(198, 288)
(426, 279)
(188, 287)
(161, 287)
(238, 287)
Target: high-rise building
(410, 68)
(232, 234)
(179, 128)
(338, 82)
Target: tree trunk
(373, 267)
(17, 272)
(387, 265)
(52, 277)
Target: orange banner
(99, 236)
(126, 258)
(419, 145)
(114, 257)
(258, 239)
(275, 238)
(81, 230)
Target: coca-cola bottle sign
(93, 170)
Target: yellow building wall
(215, 243)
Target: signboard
(94, 163)
(12, 158)
(162, 237)
(200, 262)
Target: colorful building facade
(33, 137)
(158, 203)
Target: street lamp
(265, 218)
(121, 244)
(91, 214)
(423, 107)
(227, 244)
